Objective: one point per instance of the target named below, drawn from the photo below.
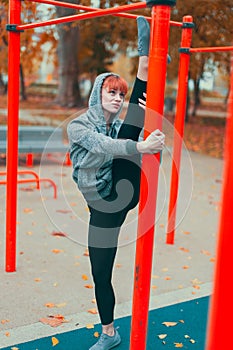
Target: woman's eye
(112, 92)
(122, 95)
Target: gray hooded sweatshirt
(93, 147)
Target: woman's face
(112, 101)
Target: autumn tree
(31, 53)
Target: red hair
(116, 83)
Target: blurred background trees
(81, 50)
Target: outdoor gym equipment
(222, 306)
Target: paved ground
(53, 274)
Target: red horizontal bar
(211, 49)
(24, 181)
(93, 9)
(82, 16)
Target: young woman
(106, 154)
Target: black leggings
(108, 215)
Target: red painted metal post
(221, 306)
(160, 27)
(179, 124)
(12, 135)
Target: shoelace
(102, 338)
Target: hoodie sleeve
(97, 143)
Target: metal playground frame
(221, 303)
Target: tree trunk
(3, 86)
(22, 84)
(68, 90)
(197, 100)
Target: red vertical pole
(160, 26)
(221, 306)
(12, 134)
(179, 123)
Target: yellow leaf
(14, 348)
(84, 277)
(170, 324)
(60, 305)
(192, 341)
(55, 341)
(162, 336)
(89, 326)
(89, 286)
(178, 345)
(96, 335)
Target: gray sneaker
(106, 342)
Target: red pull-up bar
(87, 8)
(82, 16)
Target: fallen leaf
(196, 281)
(61, 305)
(96, 334)
(184, 249)
(185, 267)
(37, 279)
(89, 286)
(7, 334)
(178, 345)
(14, 348)
(196, 287)
(93, 311)
(62, 211)
(59, 234)
(192, 341)
(162, 336)
(84, 277)
(186, 232)
(57, 251)
(118, 265)
(167, 278)
(155, 276)
(55, 341)
(50, 305)
(86, 253)
(205, 252)
(53, 321)
(169, 324)
(89, 326)
(4, 321)
(27, 210)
